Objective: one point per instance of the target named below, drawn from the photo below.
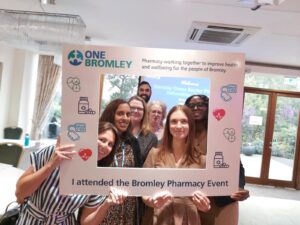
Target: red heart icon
(219, 114)
(85, 153)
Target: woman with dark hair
(224, 209)
(106, 157)
(199, 106)
(140, 126)
(38, 188)
(176, 151)
(127, 155)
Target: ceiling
(165, 24)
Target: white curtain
(48, 76)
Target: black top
(225, 200)
(146, 143)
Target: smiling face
(137, 111)
(122, 117)
(144, 91)
(179, 125)
(198, 107)
(106, 141)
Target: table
(4, 166)
(32, 144)
(9, 176)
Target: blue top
(46, 206)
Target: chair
(10, 153)
(12, 132)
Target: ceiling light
(48, 2)
(39, 29)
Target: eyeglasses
(136, 109)
(156, 112)
(198, 105)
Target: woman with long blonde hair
(140, 126)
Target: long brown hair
(102, 127)
(192, 156)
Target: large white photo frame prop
(82, 66)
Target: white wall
(15, 95)
(6, 57)
(28, 91)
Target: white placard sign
(255, 120)
(82, 67)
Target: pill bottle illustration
(218, 159)
(83, 105)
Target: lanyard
(123, 156)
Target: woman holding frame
(38, 188)
(176, 151)
(118, 112)
(224, 209)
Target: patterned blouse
(46, 206)
(126, 213)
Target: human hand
(160, 199)
(116, 196)
(201, 201)
(61, 153)
(240, 195)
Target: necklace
(123, 156)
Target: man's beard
(145, 97)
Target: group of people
(131, 134)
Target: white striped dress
(45, 205)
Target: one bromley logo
(75, 57)
(96, 58)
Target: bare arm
(30, 181)
(94, 216)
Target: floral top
(125, 214)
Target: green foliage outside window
(118, 86)
(286, 115)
